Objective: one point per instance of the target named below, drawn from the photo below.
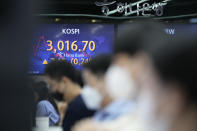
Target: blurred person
(46, 106)
(109, 108)
(169, 83)
(61, 104)
(93, 92)
(93, 76)
(62, 107)
(122, 78)
(120, 90)
(63, 77)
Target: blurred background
(35, 33)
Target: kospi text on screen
(68, 31)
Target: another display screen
(76, 43)
(181, 29)
(170, 29)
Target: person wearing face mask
(63, 77)
(122, 79)
(94, 92)
(96, 96)
(109, 107)
(120, 86)
(93, 76)
(137, 39)
(170, 78)
(119, 89)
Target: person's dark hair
(41, 89)
(138, 36)
(176, 61)
(79, 79)
(59, 68)
(57, 96)
(99, 64)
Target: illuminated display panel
(181, 29)
(170, 29)
(76, 43)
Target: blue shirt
(46, 109)
(114, 110)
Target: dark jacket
(76, 111)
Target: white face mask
(119, 84)
(92, 98)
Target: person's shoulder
(78, 108)
(78, 101)
(44, 103)
(77, 105)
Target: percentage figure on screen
(80, 61)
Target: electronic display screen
(170, 29)
(75, 43)
(181, 29)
